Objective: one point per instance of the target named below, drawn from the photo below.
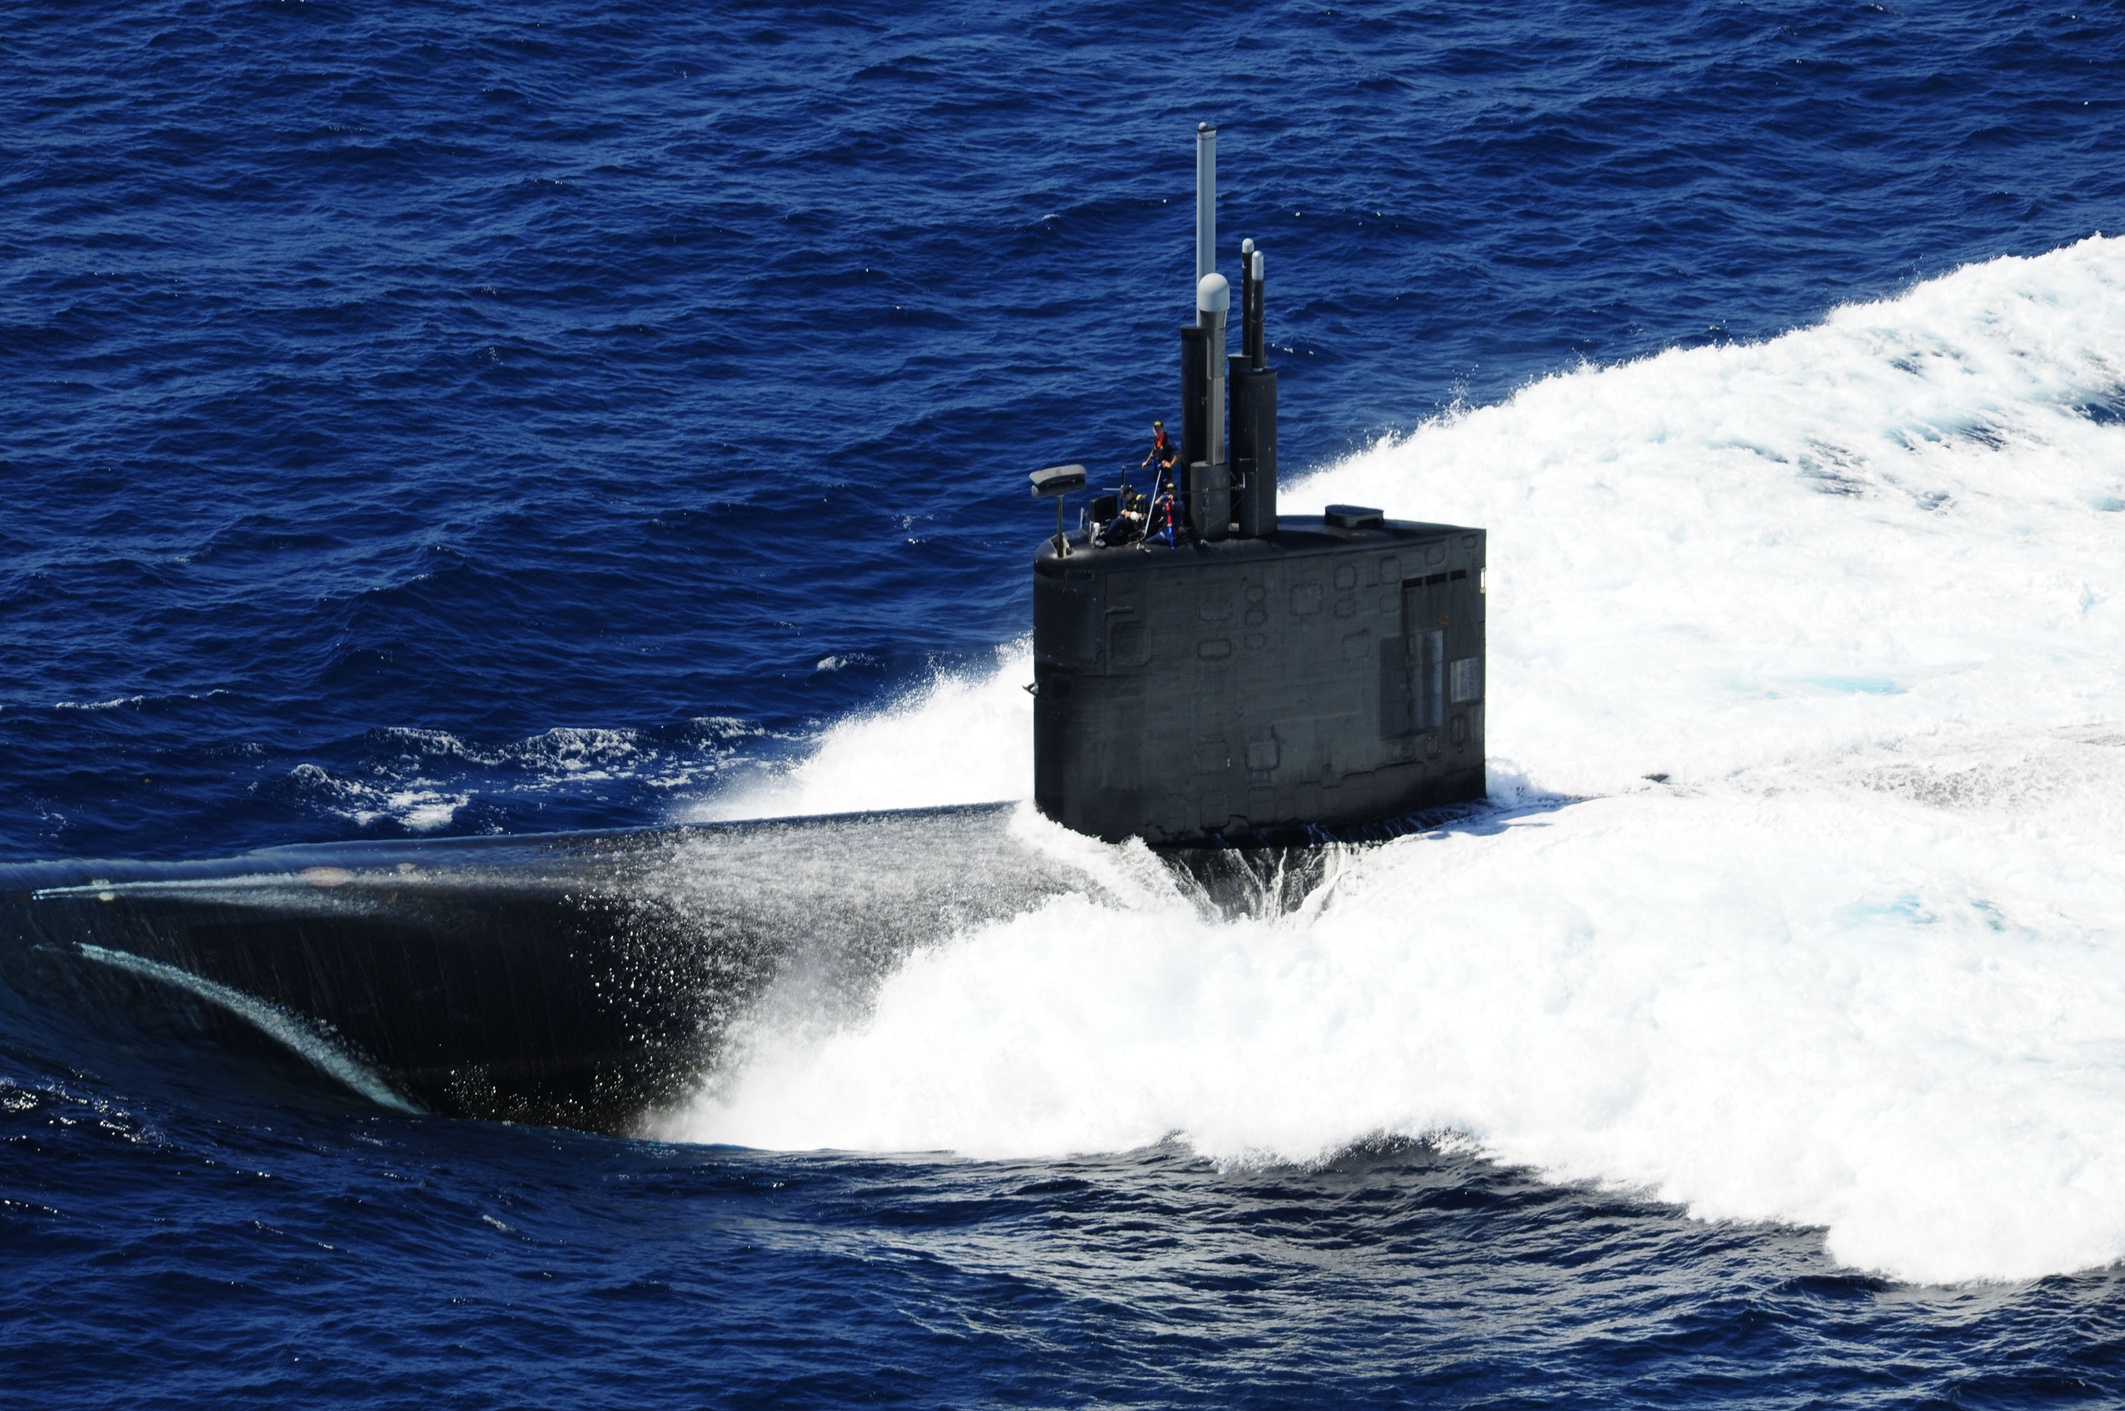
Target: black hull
(577, 980)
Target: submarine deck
(1297, 536)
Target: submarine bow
(579, 980)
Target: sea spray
(1834, 1008)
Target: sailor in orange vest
(1162, 449)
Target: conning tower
(1207, 670)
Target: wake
(1856, 963)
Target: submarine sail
(1209, 670)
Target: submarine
(1230, 684)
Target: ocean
(430, 420)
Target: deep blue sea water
(444, 420)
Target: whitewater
(1801, 899)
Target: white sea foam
(1860, 964)
(422, 805)
(960, 738)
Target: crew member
(1160, 513)
(1162, 449)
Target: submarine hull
(583, 980)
